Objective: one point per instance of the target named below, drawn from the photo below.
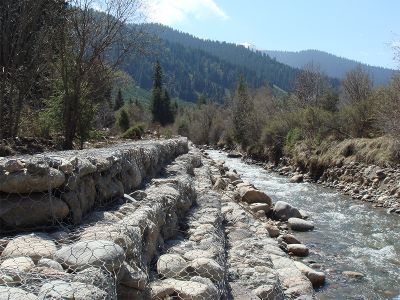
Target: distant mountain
(332, 65)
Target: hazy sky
(363, 30)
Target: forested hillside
(332, 65)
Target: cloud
(175, 11)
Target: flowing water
(349, 235)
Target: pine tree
(167, 112)
(123, 121)
(119, 101)
(156, 100)
(242, 111)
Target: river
(349, 235)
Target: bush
(135, 132)
(123, 120)
(293, 136)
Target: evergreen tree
(167, 110)
(119, 101)
(242, 111)
(123, 121)
(156, 99)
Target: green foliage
(135, 132)
(50, 117)
(123, 121)
(119, 101)
(292, 137)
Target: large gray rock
(133, 276)
(34, 245)
(59, 289)
(49, 263)
(298, 249)
(99, 277)
(171, 265)
(84, 254)
(17, 264)
(297, 224)
(208, 268)
(283, 211)
(25, 182)
(28, 211)
(185, 289)
(317, 278)
(251, 195)
(13, 293)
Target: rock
(283, 211)
(59, 289)
(236, 182)
(273, 230)
(161, 289)
(298, 249)
(25, 182)
(170, 265)
(99, 277)
(260, 206)
(206, 267)
(17, 211)
(297, 224)
(260, 214)
(12, 293)
(84, 254)
(250, 195)
(232, 176)
(289, 239)
(49, 263)
(353, 274)
(317, 278)
(212, 292)
(234, 154)
(189, 290)
(194, 254)
(297, 178)
(240, 292)
(13, 166)
(304, 214)
(17, 264)
(34, 245)
(220, 184)
(268, 292)
(133, 277)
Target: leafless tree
(94, 42)
(310, 86)
(357, 86)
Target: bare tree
(27, 31)
(311, 85)
(92, 43)
(357, 85)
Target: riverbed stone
(297, 224)
(49, 263)
(255, 207)
(13, 293)
(288, 239)
(208, 268)
(133, 276)
(353, 274)
(298, 249)
(17, 264)
(34, 245)
(59, 289)
(283, 211)
(251, 195)
(170, 265)
(297, 178)
(84, 254)
(317, 278)
(273, 230)
(25, 182)
(191, 290)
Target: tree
(310, 86)
(28, 31)
(357, 85)
(123, 121)
(119, 101)
(91, 45)
(242, 112)
(161, 101)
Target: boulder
(206, 267)
(232, 176)
(297, 224)
(13, 165)
(260, 206)
(13, 293)
(234, 154)
(268, 292)
(273, 230)
(84, 254)
(317, 278)
(26, 182)
(17, 264)
(283, 211)
(251, 195)
(171, 265)
(288, 239)
(298, 249)
(194, 254)
(133, 276)
(28, 211)
(34, 245)
(190, 290)
(220, 184)
(59, 289)
(212, 290)
(49, 263)
(297, 178)
(98, 277)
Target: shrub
(135, 132)
(123, 121)
(293, 136)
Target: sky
(363, 30)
